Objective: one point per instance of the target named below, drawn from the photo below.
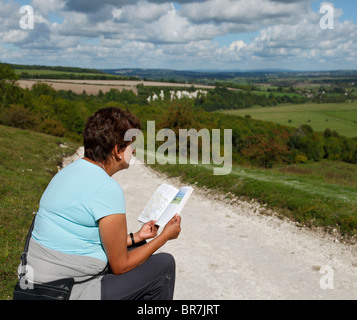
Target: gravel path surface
(229, 251)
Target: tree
(9, 91)
(333, 148)
(307, 143)
(39, 89)
(267, 149)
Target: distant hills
(168, 74)
(171, 75)
(194, 75)
(206, 76)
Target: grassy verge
(313, 200)
(28, 162)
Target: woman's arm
(113, 233)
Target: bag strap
(24, 253)
(24, 258)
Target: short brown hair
(106, 129)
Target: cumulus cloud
(157, 33)
(242, 11)
(44, 7)
(158, 21)
(94, 5)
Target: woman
(81, 224)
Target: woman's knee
(167, 261)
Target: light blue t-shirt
(77, 197)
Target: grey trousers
(153, 280)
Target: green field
(339, 117)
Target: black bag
(54, 290)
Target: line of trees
(263, 143)
(55, 68)
(60, 72)
(223, 99)
(72, 76)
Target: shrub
(266, 149)
(19, 117)
(300, 159)
(52, 127)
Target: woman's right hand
(113, 234)
(172, 229)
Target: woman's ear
(118, 156)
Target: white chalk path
(229, 252)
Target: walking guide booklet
(165, 203)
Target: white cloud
(44, 7)
(118, 33)
(237, 45)
(255, 12)
(305, 41)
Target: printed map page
(158, 203)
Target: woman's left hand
(148, 231)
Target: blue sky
(202, 34)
